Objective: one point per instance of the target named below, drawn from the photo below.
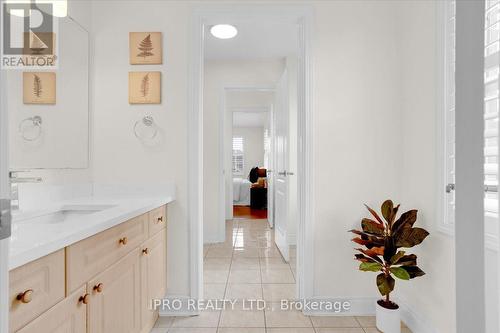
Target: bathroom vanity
(89, 266)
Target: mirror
(49, 123)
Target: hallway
(248, 266)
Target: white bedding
(241, 192)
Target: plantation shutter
(238, 155)
(450, 113)
(491, 110)
(491, 71)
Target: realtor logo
(28, 35)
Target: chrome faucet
(15, 180)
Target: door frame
(222, 137)
(4, 201)
(303, 15)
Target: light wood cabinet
(102, 284)
(35, 288)
(154, 276)
(157, 220)
(93, 255)
(115, 303)
(68, 316)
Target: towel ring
(35, 122)
(147, 122)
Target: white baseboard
(365, 306)
(415, 322)
(180, 310)
(359, 306)
(212, 239)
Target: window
(491, 71)
(449, 114)
(491, 110)
(238, 155)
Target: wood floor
(245, 212)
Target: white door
(281, 167)
(270, 170)
(4, 212)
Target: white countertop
(33, 240)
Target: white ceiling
(249, 99)
(249, 119)
(255, 40)
(250, 107)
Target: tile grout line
(262, 289)
(230, 266)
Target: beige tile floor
(249, 266)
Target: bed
(241, 192)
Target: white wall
(220, 75)
(358, 110)
(118, 157)
(433, 295)
(81, 11)
(356, 134)
(253, 149)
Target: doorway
(249, 153)
(300, 18)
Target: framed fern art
(144, 87)
(145, 48)
(39, 88)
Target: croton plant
(383, 241)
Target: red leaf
(374, 213)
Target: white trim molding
(202, 16)
(365, 306)
(415, 322)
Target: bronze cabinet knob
(84, 299)
(99, 287)
(160, 219)
(26, 296)
(123, 241)
(145, 251)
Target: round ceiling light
(224, 31)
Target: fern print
(37, 86)
(146, 46)
(145, 86)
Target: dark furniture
(258, 198)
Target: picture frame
(145, 48)
(39, 87)
(144, 87)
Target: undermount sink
(63, 214)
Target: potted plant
(382, 242)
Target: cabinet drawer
(157, 220)
(35, 288)
(93, 255)
(68, 316)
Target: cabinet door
(93, 255)
(35, 288)
(154, 276)
(115, 304)
(67, 316)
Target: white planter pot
(388, 320)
